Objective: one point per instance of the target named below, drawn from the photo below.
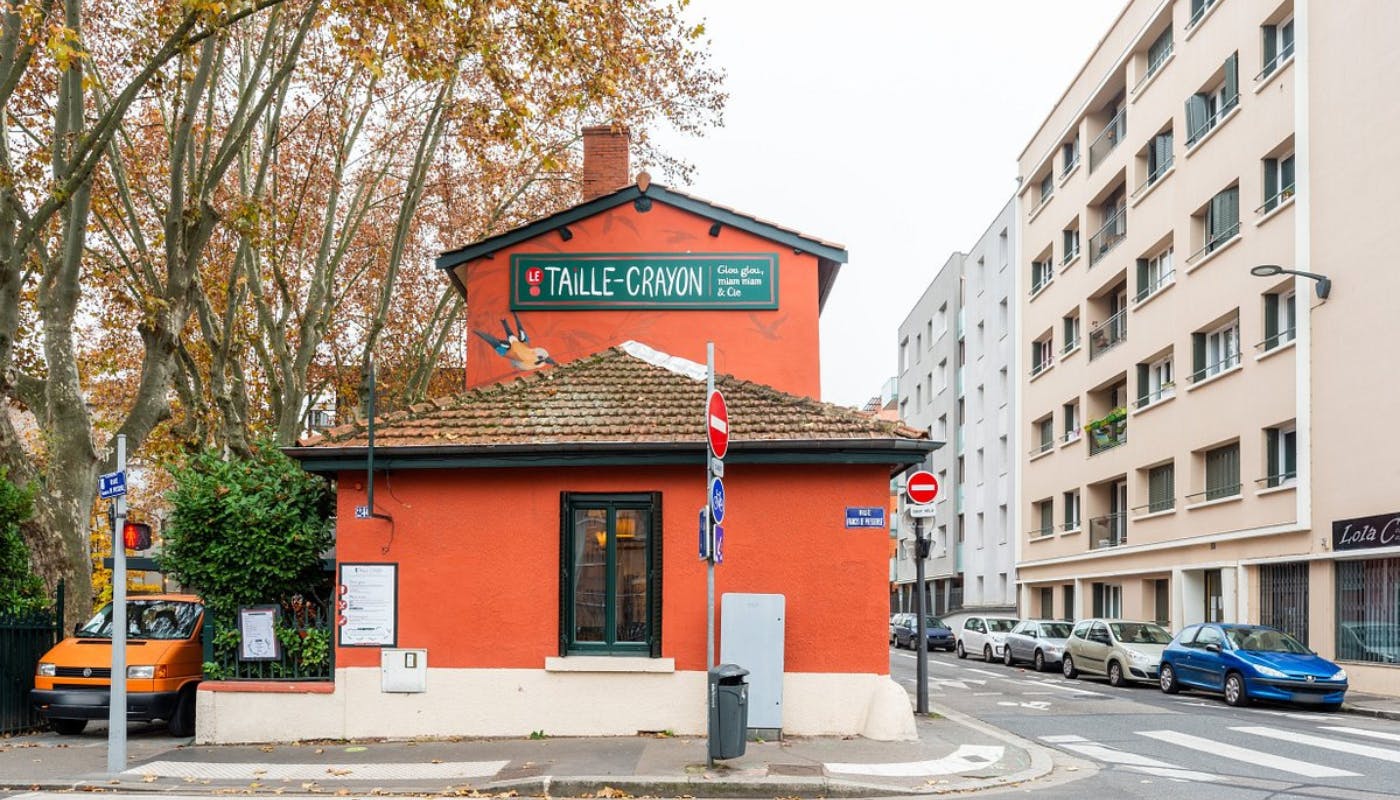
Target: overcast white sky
(891, 127)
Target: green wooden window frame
(1223, 472)
(569, 504)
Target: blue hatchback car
(939, 634)
(1250, 662)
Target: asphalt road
(1146, 744)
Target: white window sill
(1035, 212)
(1038, 292)
(1222, 122)
(1040, 537)
(1212, 379)
(1036, 456)
(1071, 531)
(1155, 294)
(1163, 400)
(1152, 187)
(609, 664)
(1075, 440)
(1208, 257)
(1287, 487)
(1205, 15)
(1273, 212)
(1219, 501)
(1278, 70)
(1162, 67)
(1044, 370)
(1066, 176)
(1288, 345)
(1066, 265)
(1156, 514)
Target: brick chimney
(606, 162)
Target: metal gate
(24, 637)
(1283, 598)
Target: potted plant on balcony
(1107, 429)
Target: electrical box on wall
(403, 670)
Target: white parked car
(984, 635)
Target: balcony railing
(1042, 280)
(1108, 334)
(1114, 230)
(1200, 14)
(1045, 446)
(1045, 197)
(1040, 366)
(1155, 507)
(1041, 533)
(1110, 530)
(1070, 344)
(1277, 340)
(1154, 65)
(1108, 139)
(1153, 287)
(1215, 367)
(1281, 479)
(1215, 242)
(1274, 202)
(1222, 492)
(1068, 168)
(1155, 175)
(1072, 525)
(1107, 437)
(1275, 62)
(1160, 393)
(1071, 435)
(1226, 106)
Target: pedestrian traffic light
(137, 536)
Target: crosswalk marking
(1369, 751)
(1245, 754)
(967, 758)
(1108, 754)
(1391, 737)
(1062, 738)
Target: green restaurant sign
(732, 281)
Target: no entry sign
(717, 424)
(922, 487)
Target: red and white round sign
(922, 487)
(717, 424)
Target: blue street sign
(719, 544)
(704, 534)
(112, 484)
(717, 500)
(865, 517)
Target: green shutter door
(1270, 45)
(1271, 455)
(1232, 81)
(1143, 388)
(1198, 355)
(1270, 183)
(1143, 288)
(654, 571)
(1195, 117)
(1270, 321)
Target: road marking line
(1070, 689)
(967, 758)
(1175, 773)
(1392, 737)
(1109, 755)
(319, 772)
(1062, 738)
(985, 672)
(1369, 751)
(1256, 757)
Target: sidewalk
(1372, 705)
(953, 754)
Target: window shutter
(1143, 288)
(1232, 209)
(654, 573)
(565, 573)
(1270, 182)
(1270, 45)
(1290, 453)
(1195, 117)
(1144, 388)
(1285, 177)
(1272, 470)
(1198, 354)
(1232, 79)
(1164, 149)
(1287, 42)
(1270, 320)
(1197, 6)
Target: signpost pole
(709, 520)
(116, 706)
(919, 614)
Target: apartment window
(1071, 245)
(1069, 156)
(1280, 319)
(1223, 472)
(942, 375)
(1205, 110)
(1159, 158)
(1111, 136)
(1114, 213)
(918, 396)
(981, 402)
(1003, 385)
(904, 354)
(1071, 417)
(1281, 455)
(1042, 272)
(1047, 186)
(1153, 274)
(981, 539)
(981, 475)
(1071, 328)
(1001, 538)
(1003, 318)
(928, 336)
(1157, 53)
(918, 347)
(942, 319)
(981, 274)
(1002, 450)
(981, 338)
(1003, 249)
(611, 573)
(1071, 512)
(1045, 514)
(1198, 11)
(1278, 182)
(1155, 381)
(1216, 351)
(942, 427)
(1368, 591)
(1042, 355)
(1278, 47)
(1045, 435)
(1220, 223)
(1161, 488)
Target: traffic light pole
(920, 553)
(116, 706)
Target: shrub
(21, 591)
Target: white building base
(517, 702)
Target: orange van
(165, 662)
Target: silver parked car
(1039, 641)
(1120, 649)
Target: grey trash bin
(729, 711)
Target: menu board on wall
(368, 605)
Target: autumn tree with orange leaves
(212, 213)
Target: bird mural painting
(516, 347)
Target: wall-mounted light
(714, 229)
(1324, 283)
(565, 233)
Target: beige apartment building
(1206, 443)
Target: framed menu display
(257, 634)
(368, 605)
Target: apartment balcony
(1108, 334)
(1107, 433)
(1108, 140)
(1110, 530)
(1114, 231)
(1154, 175)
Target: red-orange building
(537, 535)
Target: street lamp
(1324, 283)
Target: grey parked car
(1039, 641)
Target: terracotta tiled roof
(626, 394)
